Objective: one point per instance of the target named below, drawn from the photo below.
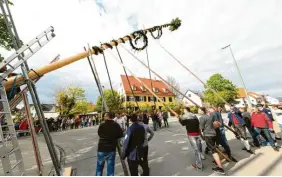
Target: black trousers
(166, 123)
(133, 164)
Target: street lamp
(240, 75)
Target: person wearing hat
(133, 147)
(261, 123)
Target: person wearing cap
(261, 123)
(132, 148)
(239, 125)
(192, 124)
(109, 133)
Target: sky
(253, 28)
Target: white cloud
(252, 27)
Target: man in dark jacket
(191, 122)
(239, 125)
(109, 132)
(133, 147)
(165, 117)
(145, 118)
(155, 119)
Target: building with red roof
(143, 97)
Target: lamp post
(240, 75)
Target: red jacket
(23, 125)
(260, 120)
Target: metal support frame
(24, 67)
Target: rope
(106, 65)
(160, 77)
(193, 74)
(127, 78)
(147, 56)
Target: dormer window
(133, 87)
(165, 90)
(143, 88)
(156, 90)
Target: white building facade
(196, 97)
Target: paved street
(170, 154)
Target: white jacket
(121, 122)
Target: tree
(112, 99)
(172, 81)
(5, 38)
(70, 99)
(224, 87)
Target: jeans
(195, 142)
(108, 157)
(165, 123)
(222, 133)
(267, 135)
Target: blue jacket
(133, 142)
(268, 113)
(238, 117)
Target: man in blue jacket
(238, 123)
(133, 147)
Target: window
(137, 98)
(133, 87)
(143, 88)
(164, 99)
(170, 99)
(189, 95)
(142, 98)
(131, 98)
(165, 90)
(151, 98)
(156, 90)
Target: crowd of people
(208, 127)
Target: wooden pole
(64, 62)
(161, 101)
(229, 128)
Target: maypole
(132, 38)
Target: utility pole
(240, 75)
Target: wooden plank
(67, 171)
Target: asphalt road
(169, 153)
